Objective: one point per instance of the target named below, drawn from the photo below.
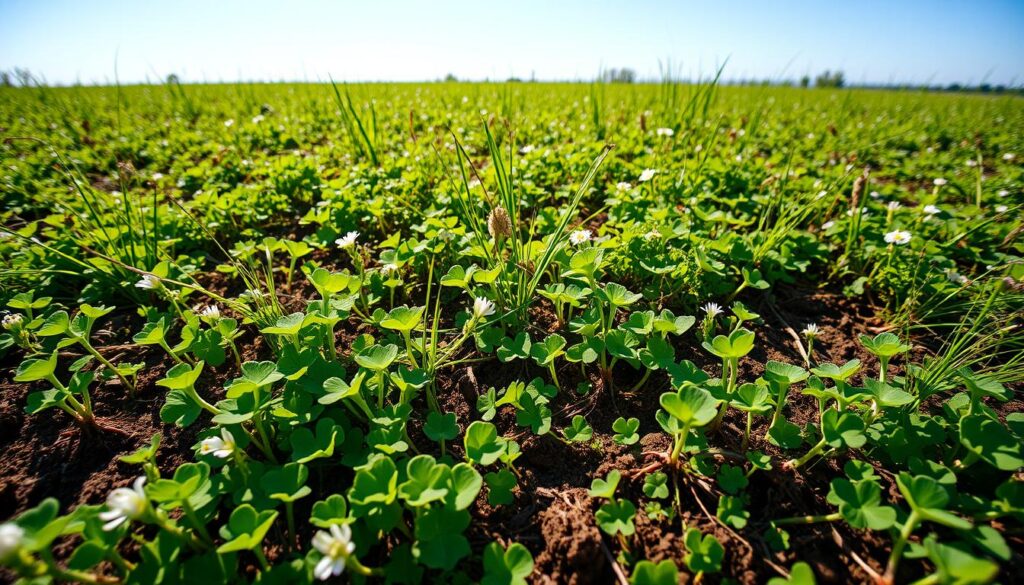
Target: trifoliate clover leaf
(734, 346)
(377, 357)
(616, 517)
(690, 406)
(403, 318)
(799, 574)
(928, 499)
(500, 485)
(333, 510)
(307, 445)
(705, 552)
(286, 483)
(427, 481)
(731, 479)
(515, 349)
(626, 430)
(860, 504)
(990, 440)
(656, 485)
(842, 429)
(579, 431)
(731, 510)
(246, 529)
(441, 427)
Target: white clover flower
(828, 225)
(125, 504)
(712, 309)
(11, 536)
(1009, 156)
(971, 162)
(335, 546)
(810, 330)
(939, 182)
(12, 320)
(875, 194)
(579, 237)
(482, 307)
(157, 176)
(348, 240)
(1003, 193)
(1001, 208)
(148, 282)
(820, 195)
(257, 118)
(527, 149)
(210, 312)
(222, 446)
(388, 268)
(932, 209)
(665, 132)
(623, 186)
(898, 237)
(229, 123)
(652, 235)
(893, 205)
(647, 175)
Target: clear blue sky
(226, 40)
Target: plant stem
(900, 544)
(809, 519)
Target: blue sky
(404, 40)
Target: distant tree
(5, 79)
(173, 79)
(805, 81)
(450, 78)
(624, 75)
(830, 79)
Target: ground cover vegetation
(510, 333)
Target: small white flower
(211, 312)
(932, 209)
(1009, 156)
(623, 186)
(148, 282)
(527, 149)
(157, 176)
(939, 182)
(388, 268)
(828, 225)
(482, 307)
(579, 237)
(898, 237)
(893, 205)
(125, 504)
(1001, 208)
(335, 546)
(810, 330)
(12, 320)
(229, 123)
(712, 309)
(257, 118)
(652, 235)
(11, 536)
(875, 194)
(647, 175)
(820, 195)
(348, 240)
(222, 446)
(971, 162)
(1003, 193)
(665, 131)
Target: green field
(509, 333)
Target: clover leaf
(626, 430)
(500, 485)
(246, 529)
(656, 485)
(605, 488)
(509, 566)
(579, 431)
(648, 573)
(860, 504)
(482, 444)
(616, 517)
(705, 552)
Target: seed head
(499, 225)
